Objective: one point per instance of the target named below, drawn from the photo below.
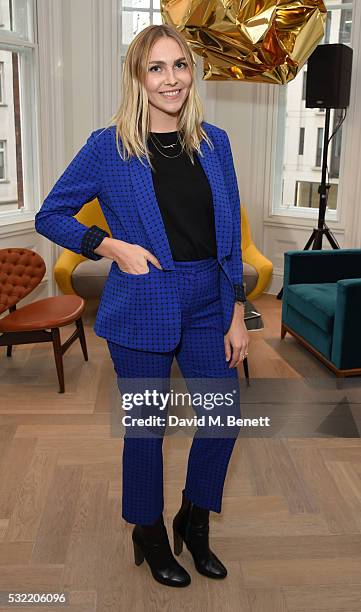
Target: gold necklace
(162, 145)
(172, 145)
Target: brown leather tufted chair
(21, 270)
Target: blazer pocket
(129, 274)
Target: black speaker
(329, 77)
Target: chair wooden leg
(246, 371)
(58, 354)
(283, 331)
(9, 349)
(79, 324)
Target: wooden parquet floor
(290, 528)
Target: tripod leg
(310, 240)
(317, 245)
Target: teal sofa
(322, 305)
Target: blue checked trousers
(200, 354)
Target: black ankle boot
(151, 542)
(191, 525)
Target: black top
(184, 198)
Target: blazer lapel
(222, 211)
(146, 202)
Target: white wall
(237, 108)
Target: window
(292, 173)
(2, 160)
(336, 146)
(304, 83)
(326, 38)
(301, 144)
(345, 26)
(307, 196)
(16, 16)
(2, 84)
(135, 15)
(319, 147)
(18, 151)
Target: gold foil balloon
(250, 40)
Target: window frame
(27, 48)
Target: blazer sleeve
(236, 263)
(80, 182)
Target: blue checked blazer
(142, 311)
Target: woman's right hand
(131, 258)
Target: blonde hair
(132, 118)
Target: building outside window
(2, 84)
(319, 147)
(2, 160)
(135, 15)
(301, 145)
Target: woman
(166, 183)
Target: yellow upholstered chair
(255, 264)
(90, 214)
(257, 268)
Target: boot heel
(138, 554)
(178, 542)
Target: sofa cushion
(315, 301)
(88, 278)
(250, 277)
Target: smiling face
(168, 80)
